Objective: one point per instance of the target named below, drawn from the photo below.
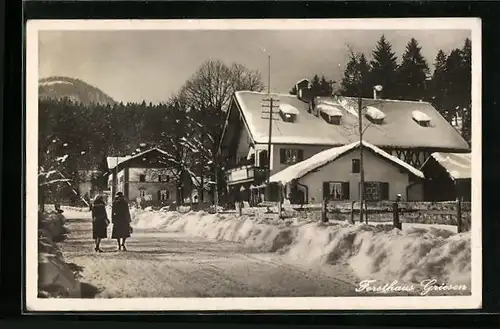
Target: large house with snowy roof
(303, 125)
(333, 174)
(147, 178)
(143, 177)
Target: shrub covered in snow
(55, 277)
(374, 252)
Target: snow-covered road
(159, 264)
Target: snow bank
(373, 252)
(55, 277)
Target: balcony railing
(246, 173)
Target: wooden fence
(457, 213)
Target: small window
(356, 166)
(142, 178)
(374, 115)
(291, 156)
(331, 119)
(287, 117)
(376, 191)
(142, 193)
(163, 178)
(163, 195)
(336, 191)
(288, 112)
(421, 118)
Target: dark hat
(119, 194)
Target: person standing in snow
(121, 221)
(100, 222)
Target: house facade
(303, 125)
(448, 177)
(143, 178)
(334, 174)
(88, 182)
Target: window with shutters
(142, 192)
(291, 156)
(336, 190)
(356, 166)
(376, 191)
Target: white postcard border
(33, 303)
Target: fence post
(395, 215)
(459, 216)
(352, 212)
(366, 213)
(360, 211)
(240, 208)
(324, 218)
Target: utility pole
(270, 117)
(361, 165)
(269, 105)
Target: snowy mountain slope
(74, 89)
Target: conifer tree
(412, 73)
(438, 88)
(356, 79)
(383, 68)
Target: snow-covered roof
(48, 83)
(301, 80)
(288, 109)
(115, 161)
(399, 128)
(375, 113)
(458, 165)
(302, 168)
(420, 116)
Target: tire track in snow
(160, 264)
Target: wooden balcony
(246, 173)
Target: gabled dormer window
(374, 115)
(288, 113)
(421, 118)
(330, 113)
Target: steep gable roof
(323, 158)
(397, 130)
(112, 162)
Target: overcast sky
(152, 65)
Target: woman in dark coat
(121, 221)
(100, 222)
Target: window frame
(163, 178)
(284, 157)
(291, 119)
(356, 163)
(142, 178)
(344, 190)
(383, 191)
(167, 195)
